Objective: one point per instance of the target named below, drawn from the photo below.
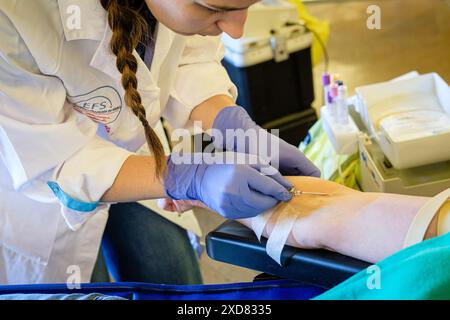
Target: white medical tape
(259, 223)
(280, 233)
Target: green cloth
(418, 272)
(342, 169)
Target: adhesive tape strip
(280, 233)
(259, 223)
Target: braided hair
(132, 25)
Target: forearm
(376, 230)
(368, 226)
(207, 111)
(136, 181)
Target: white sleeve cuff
(444, 219)
(424, 217)
(81, 181)
(194, 85)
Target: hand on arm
(221, 113)
(136, 179)
(367, 226)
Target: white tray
(409, 118)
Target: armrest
(236, 244)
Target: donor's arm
(367, 226)
(364, 225)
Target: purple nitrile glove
(285, 157)
(235, 191)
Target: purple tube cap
(329, 98)
(326, 79)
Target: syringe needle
(311, 193)
(296, 192)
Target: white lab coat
(65, 130)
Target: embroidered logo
(103, 105)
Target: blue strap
(69, 202)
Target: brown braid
(129, 27)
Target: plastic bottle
(332, 108)
(341, 105)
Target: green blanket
(342, 169)
(418, 272)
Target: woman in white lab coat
(79, 112)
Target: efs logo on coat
(102, 105)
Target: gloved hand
(235, 191)
(291, 161)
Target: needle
(299, 193)
(296, 192)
